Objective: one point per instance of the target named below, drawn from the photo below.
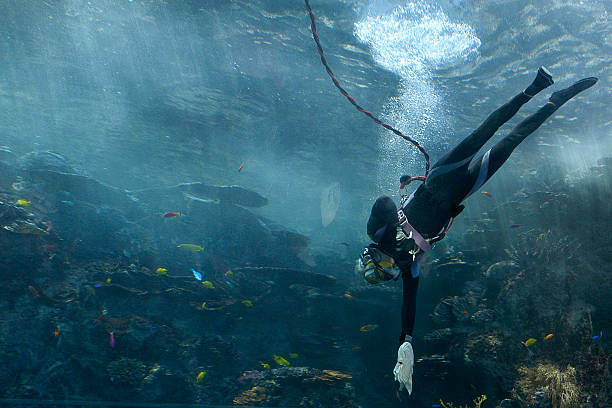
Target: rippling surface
(153, 92)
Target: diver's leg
(486, 165)
(465, 151)
(409, 286)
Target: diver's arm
(409, 285)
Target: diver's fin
(542, 80)
(560, 97)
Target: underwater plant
(477, 403)
(560, 386)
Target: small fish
(464, 312)
(196, 274)
(172, 214)
(56, 333)
(265, 365)
(356, 348)
(293, 355)
(23, 203)
(349, 296)
(241, 167)
(190, 247)
(108, 280)
(516, 225)
(48, 246)
(530, 342)
(468, 282)
(368, 328)
(68, 203)
(161, 271)
(203, 305)
(280, 360)
(208, 284)
(112, 339)
(247, 303)
(34, 291)
(486, 193)
(548, 336)
(229, 273)
(200, 376)
(435, 405)
(598, 336)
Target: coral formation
(560, 386)
(477, 403)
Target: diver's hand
(404, 367)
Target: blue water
(146, 94)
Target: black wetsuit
(451, 180)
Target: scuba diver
(401, 236)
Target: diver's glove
(405, 365)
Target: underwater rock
(127, 371)
(496, 275)
(46, 160)
(439, 336)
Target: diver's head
(382, 217)
(376, 266)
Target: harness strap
(410, 231)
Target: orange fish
(172, 214)
(357, 348)
(241, 167)
(56, 333)
(464, 312)
(548, 336)
(48, 246)
(34, 291)
(349, 296)
(486, 193)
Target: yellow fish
(293, 355)
(204, 305)
(208, 284)
(280, 360)
(247, 303)
(229, 272)
(368, 328)
(108, 280)
(23, 203)
(161, 271)
(530, 342)
(200, 376)
(190, 247)
(265, 365)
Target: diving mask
(376, 266)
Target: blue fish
(598, 336)
(197, 274)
